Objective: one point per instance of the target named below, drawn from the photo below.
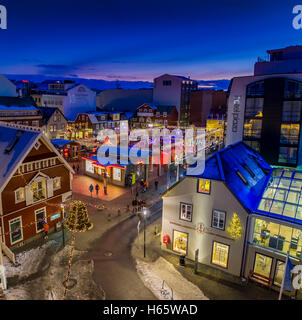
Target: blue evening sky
(138, 40)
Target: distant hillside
(104, 84)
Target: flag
(287, 275)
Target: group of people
(97, 189)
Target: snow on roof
(21, 140)
(61, 142)
(243, 170)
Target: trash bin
(182, 260)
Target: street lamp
(63, 216)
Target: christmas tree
(78, 214)
(235, 229)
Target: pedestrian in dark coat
(97, 188)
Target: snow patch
(154, 273)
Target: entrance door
(40, 219)
(263, 265)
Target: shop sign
(55, 216)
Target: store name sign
(3, 18)
(236, 112)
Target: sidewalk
(215, 284)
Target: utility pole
(2, 270)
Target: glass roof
(282, 195)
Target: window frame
(219, 211)
(265, 255)
(180, 211)
(174, 239)
(36, 222)
(19, 201)
(57, 188)
(203, 192)
(212, 254)
(275, 272)
(10, 230)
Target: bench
(259, 278)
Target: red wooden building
(34, 183)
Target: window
(38, 165)
(252, 128)
(51, 128)
(35, 123)
(256, 89)
(15, 228)
(29, 167)
(263, 265)
(37, 145)
(291, 111)
(186, 211)
(293, 89)
(290, 133)
(180, 242)
(278, 237)
(240, 175)
(254, 107)
(117, 174)
(280, 266)
(40, 215)
(19, 195)
(57, 183)
(204, 186)
(45, 163)
(63, 126)
(254, 144)
(218, 219)
(52, 161)
(220, 254)
(288, 155)
(39, 190)
(167, 83)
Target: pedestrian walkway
(215, 284)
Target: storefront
(69, 149)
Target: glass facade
(282, 195)
(292, 89)
(252, 128)
(278, 237)
(288, 155)
(263, 265)
(290, 133)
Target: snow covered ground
(154, 273)
(40, 273)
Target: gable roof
(242, 169)
(21, 140)
(47, 113)
(16, 102)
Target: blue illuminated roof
(243, 170)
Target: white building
(171, 90)
(7, 88)
(265, 109)
(71, 99)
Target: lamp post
(63, 216)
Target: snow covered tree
(78, 214)
(234, 229)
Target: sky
(139, 40)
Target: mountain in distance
(122, 84)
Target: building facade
(241, 214)
(171, 90)
(264, 110)
(149, 116)
(35, 182)
(54, 123)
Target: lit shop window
(180, 243)
(39, 190)
(89, 166)
(220, 254)
(186, 211)
(263, 265)
(204, 186)
(117, 174)
(15, 228)
(280, 266)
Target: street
(116, 273)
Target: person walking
(91, 189)
(97, 188)
(105, 187)
(78, 169)
(156, 185)
(46, 229)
